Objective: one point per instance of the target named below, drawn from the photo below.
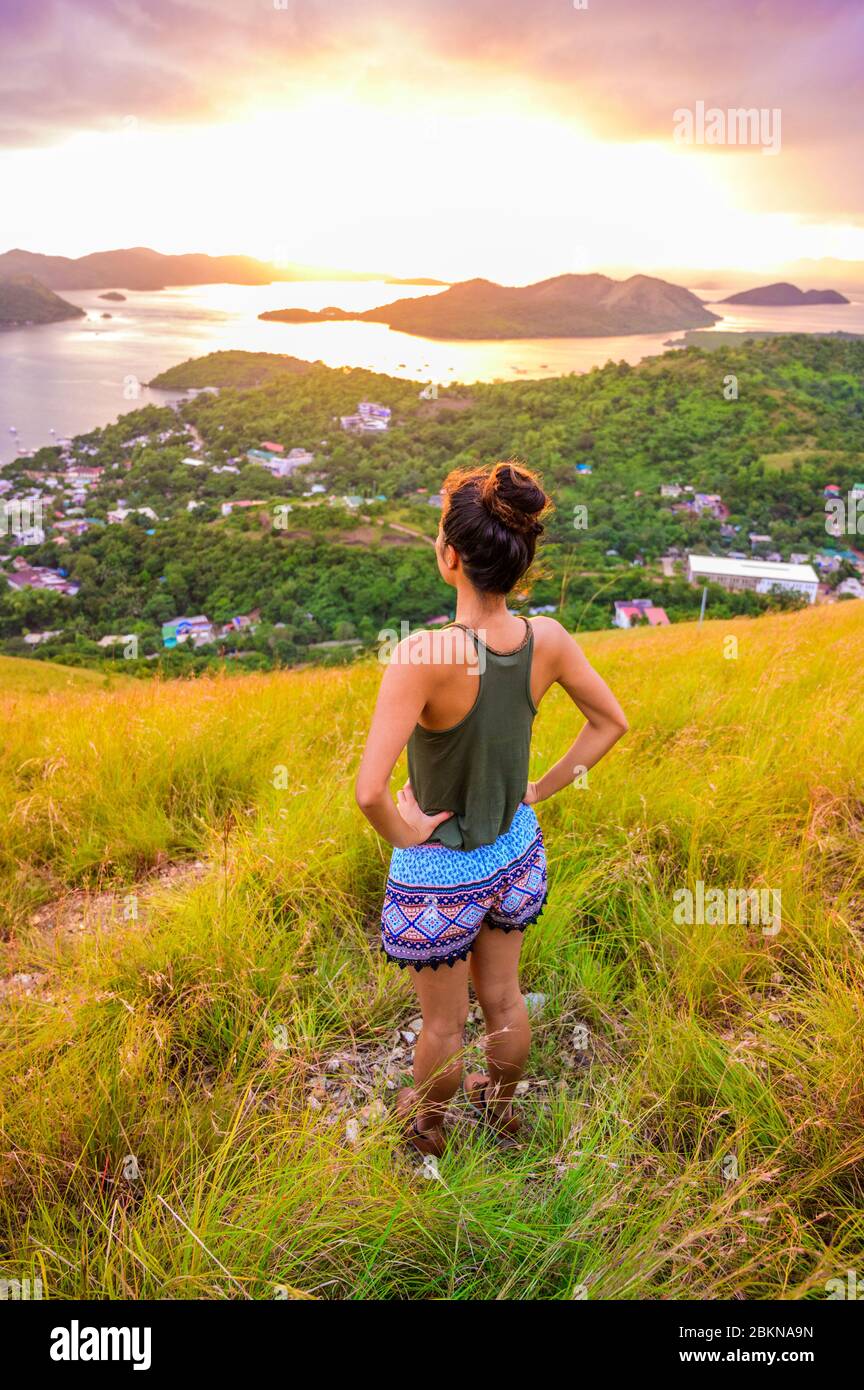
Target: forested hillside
(766, 426)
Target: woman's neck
(475, 611)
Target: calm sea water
(70, 377)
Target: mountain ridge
(563, 306)
(141, 268)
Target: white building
(759, 575)
(228, 507)
(119, 515)
(281, 465)
(371, 418)
(198, 630)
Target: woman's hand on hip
(418, 822)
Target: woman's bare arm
(606, 721)
(400, 703)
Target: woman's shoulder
(548, 632)
(555, 649)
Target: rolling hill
(232, 367)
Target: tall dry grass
(696, 1098)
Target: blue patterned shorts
(438, 898)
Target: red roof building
(639, 610)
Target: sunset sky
(508, 138)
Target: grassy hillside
(241, 370)
(37, 677)
(201, 1040)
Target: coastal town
(56, 502)
(56, 506)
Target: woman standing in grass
(468, 871)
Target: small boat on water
(12, 429)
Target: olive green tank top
(478, 769)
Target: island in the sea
(783, 295)
(25, 300)
(567, 306)
(714, 338)
(114, 295)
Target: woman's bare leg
(443, 996)
(495, 976)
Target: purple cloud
(624, 64)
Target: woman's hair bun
(492, 517)
(513, 495)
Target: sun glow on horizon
(451, 189)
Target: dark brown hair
(493, 517)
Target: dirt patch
(82, 910)
(22, 983)
(359, 535)
(409, 531)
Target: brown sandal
(425, 1141)
(475, 1090)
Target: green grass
(38, 677)
(190, 1023)
(784, 462)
